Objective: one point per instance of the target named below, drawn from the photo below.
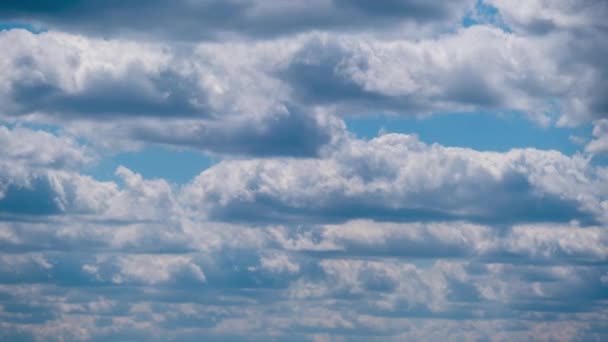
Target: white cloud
(279, 263)
(24, 148)
(152, 269)
(400, 178)
(600, 133)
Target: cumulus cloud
(497, 71)
(577, 28)
(397, 177)
(422, 77)
(39, 175)
(31, 167)
(120, 91)
(600, 133)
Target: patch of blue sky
(175, 166)
(484, 14)
(14, 25)
(479, 131)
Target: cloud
(81, 75)
(528, 244)
(578, 29)
(542, 17)
(127, 93)
(396, 177)
(39, 175)
(145, 269)
(31, 167)
(156, 89)
(600, 133)
(542, 77)
(219, 19)
(26, 149)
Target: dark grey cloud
(211, 19)
(510, 207)
(290, 133)
(136, 94)
(316, 77)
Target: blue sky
(337, 170)
(177, 166)
(480, 131)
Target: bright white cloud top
(300, 229)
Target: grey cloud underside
(319, 74)
(513, 207)
(135, 94)
(214, 19)
(291, 133)
(36, 199)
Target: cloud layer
(364, 241)
(300, 229)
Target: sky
(326, 170)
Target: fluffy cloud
(600, 133)
(123, 93)
(39, 175)
(139, 254)
(577, 29)
(497, 71)
(24, 149)
(201, 96)
(32, 166)
(397, 177)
